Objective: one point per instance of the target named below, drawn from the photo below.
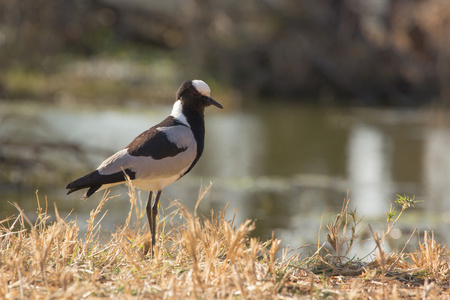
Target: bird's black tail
(95, 180)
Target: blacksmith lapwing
(160, 155)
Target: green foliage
(406, 201)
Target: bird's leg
(154, 214)
(149, 217)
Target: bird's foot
(148, 248)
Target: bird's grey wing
(158, 150)
(117, 162)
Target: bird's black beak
(215, 103)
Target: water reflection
(437, 169)
(437, 178)
(283, 166)
(369, 170)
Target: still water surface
(285, 166)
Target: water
(289, 167)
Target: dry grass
(204, 258)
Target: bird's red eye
(196, 93)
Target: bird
(160, 155)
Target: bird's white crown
(201, 87)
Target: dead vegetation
(199, 257)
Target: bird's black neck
(196, 121)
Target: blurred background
(322, 99)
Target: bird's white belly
(149, 184)
(154, 184)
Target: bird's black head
(196, 93)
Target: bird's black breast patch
(155, 144)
